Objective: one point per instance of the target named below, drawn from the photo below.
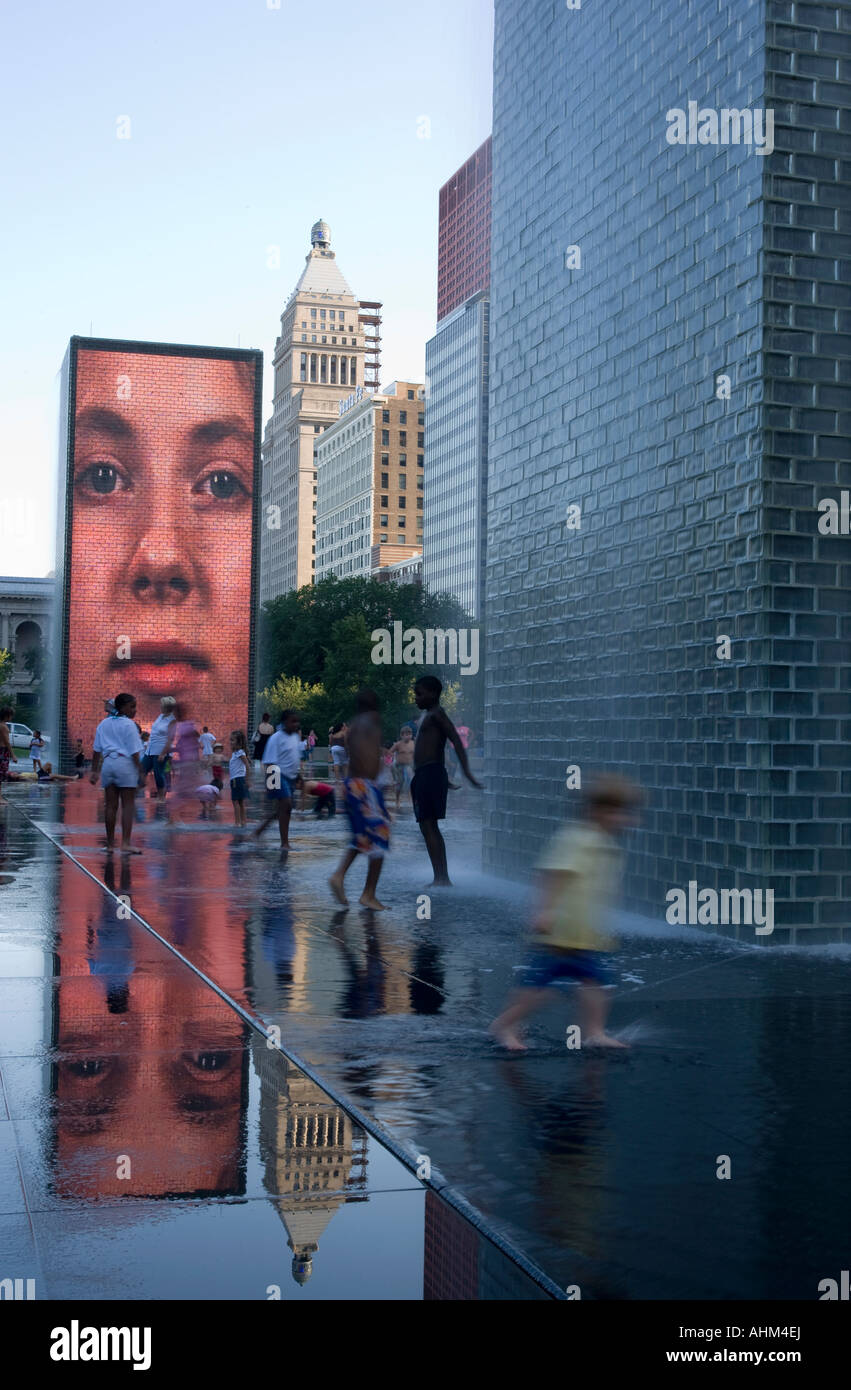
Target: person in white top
(159, 746)
(281, 769)
(207, 742)
(117, 750)
(238, 774)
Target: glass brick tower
(670, 403)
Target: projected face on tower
(161, 542)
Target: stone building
(369, 467)
(328, 347)
(26, 621)
(670, 402)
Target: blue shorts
(151, 763)
(544, 967)
(284, 793)
(238, 789)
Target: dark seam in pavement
(449, 1194)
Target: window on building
(403, 417)
(421, 418)
(352, 371)
(410, 395)
(324, 337)
(403, 439)
(313, 313)
(419, 504)
(385, 436)
(313, 337)
(385, 460)
(304, 337)
(323, 368)
(343, 372)
(304, 323)
(420, 441)
(402, 504)
(419, 460)
(403, 481)
(333, 339)
(385, 500)
(315, 429)
(385, 480)
(403, 460)
(383, 539)
(322, 313)
(385, 417)
(313, 366)
(382, 521)
(333, 314)
(334, 370)
(303, 372)
(420, 484)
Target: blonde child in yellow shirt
(580, 873)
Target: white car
(20, 736)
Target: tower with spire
(326, 350)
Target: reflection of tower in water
(314, 1157)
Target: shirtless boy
(403, 762)
(364, 801)
(431, 782)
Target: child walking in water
(364, 803)
(580, 870)
(238, 773)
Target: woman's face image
(162, 535)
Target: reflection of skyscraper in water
(314, 1157)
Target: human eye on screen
(100, 478)
(222, 483)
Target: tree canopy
(315, 644)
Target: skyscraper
(457, 375)
(369, 466)
(463, 235)
(454, 527)
(321, 356)
(669, 373)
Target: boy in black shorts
(431, 782)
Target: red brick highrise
(464, 232)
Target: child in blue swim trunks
(580, 871)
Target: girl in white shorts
(117, 751)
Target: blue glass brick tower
(671, 359)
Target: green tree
(35, 660)
(7, 665)
(320, 635)
(288, 692)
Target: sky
(159, 159)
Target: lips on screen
(161, 537)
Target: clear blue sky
(246, 125)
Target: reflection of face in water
(151, 1066)
(161, 540)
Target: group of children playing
(578, 872)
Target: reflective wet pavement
(125, 1076)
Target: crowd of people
(578, 871)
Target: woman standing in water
(117, 749)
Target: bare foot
(508, 1038)
(335, 883)
(603, 1040)
(128, 849)
(372, 903)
